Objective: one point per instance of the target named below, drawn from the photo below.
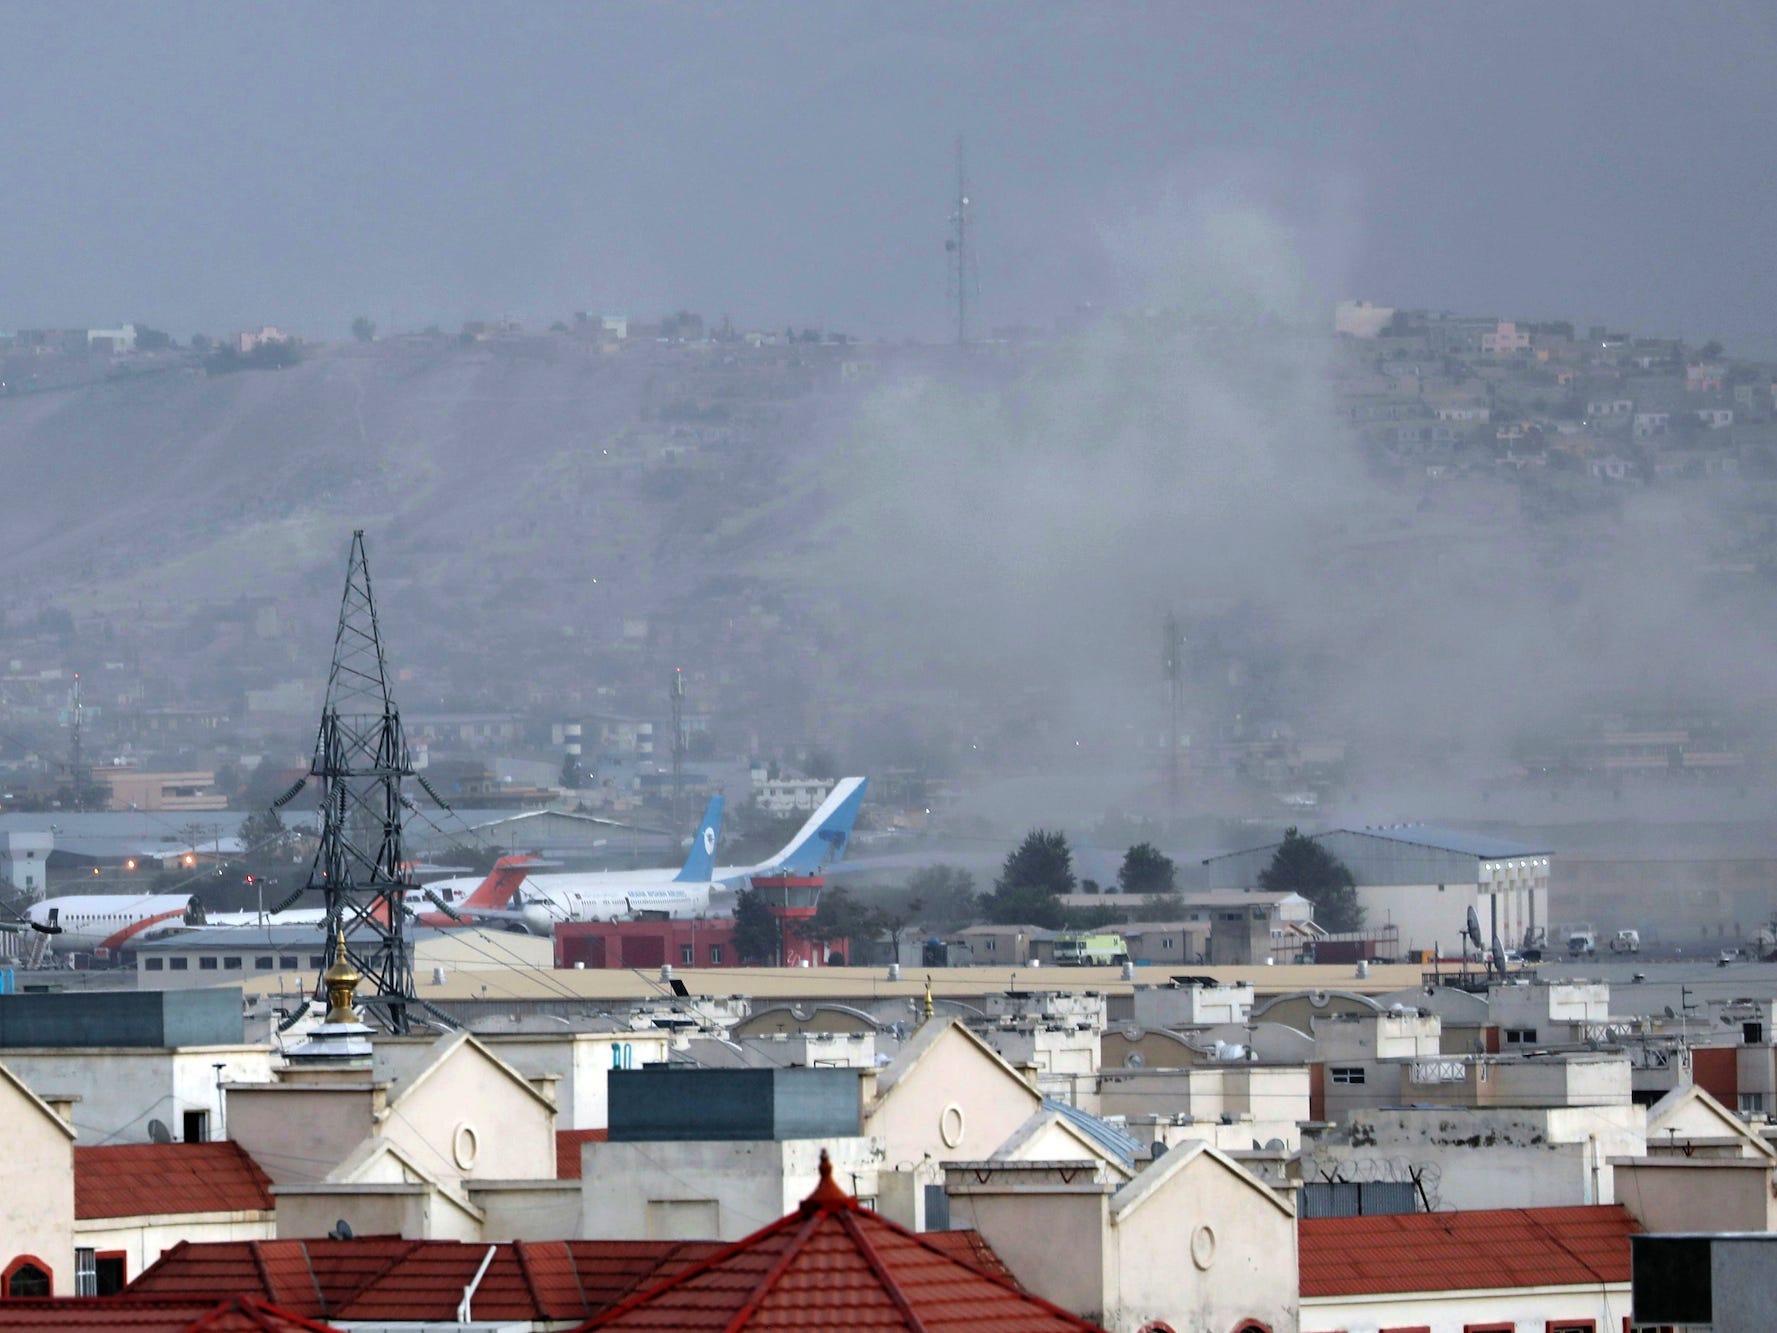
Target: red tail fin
(495, 892)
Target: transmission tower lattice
(360, 760)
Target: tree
(1146, 869)
(1710, 350)
(571, 774)
(944, 898)
(1301, 865)
(840, 916)
(757, 938)
(263, 834)
(1031, 882)
(364, 329)
(152, 340)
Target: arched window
(26, 1275)
(1251, 1326)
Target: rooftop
(137, 1179)
(1488, 1248)
(833, 1264)
(96, 1314)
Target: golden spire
(928, 1017)
(340, 981)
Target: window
(153, 964)
(86, 1273)
(1489, 1328)
(687, 954)
(262, 963)
(232, 963)
(178, 964)
(287, 960)
(27, 1276)
(715, 954)
(315, 960)
(1571, 1326)
(207, 963)
(113, 1271)
(1350, 1075)
(197, 1126)
(1520, 1036)
(1753, 1034)
(1752, 1103)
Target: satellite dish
(1498, 959)
(1274, 1145)
(158, 1132)
(1669, 1013)
(1158, 1150)
(1134, 1060)
(342, 1230)
(1473, 929)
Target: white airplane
(104, 923)
(546, 899)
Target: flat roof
(766, 984)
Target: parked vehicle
(1079, 949)
(1582, 942)
(1626, 941)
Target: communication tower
(77, 774)
(678, 699)
(964, 280)
(360, 760)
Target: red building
(693, 943)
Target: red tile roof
(94, 1314)
(379, 1277)
(832, 1264)
(142, 1179)
(567, 1149)
(1504, 1247)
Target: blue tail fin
(821, 841)
(701, 864)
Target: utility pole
(1172, 663)
(960, 246)
(678, 700)
(360, 759)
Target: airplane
(103, 923)
(547, 899)
(542, 900)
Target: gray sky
(212, 166)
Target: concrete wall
(1688, 1194)
(121, 1089)
(1518, 1308)
(1056, 1243)
(36, 1187)
(299, 1134)
(416, 1212)
(956, 1103)
(534, 1210)
(711, 1190)
(468, 1118)
(582, 1062)
(142, 1240)
(1206, 1250)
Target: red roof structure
(105, 1314)
(834, 1264)
(567, 1149)
(387, 1278)
(142, 1179)
(1500, 1247)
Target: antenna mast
(678, 699)
(1172, 662)
(77, 775)
(360, 759)
(963, 276)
